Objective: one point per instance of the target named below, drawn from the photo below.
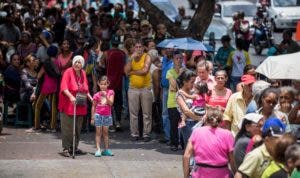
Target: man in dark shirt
(114, 62)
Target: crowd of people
(100, 65)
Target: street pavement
(37, 155)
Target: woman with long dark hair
(185, 82)
(248, 135)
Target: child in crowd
(199, 97)
(101, 115)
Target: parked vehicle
(284, 14)
(218, 28)
(226, 10)
(165, 5)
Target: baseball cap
(248, 79)
(52, 51)
(273, 127)
(46, 34)
(254, 117)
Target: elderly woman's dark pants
(67, 130)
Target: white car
(284, 14)
(226, 9)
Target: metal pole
(74, 127)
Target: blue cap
(52, 51)
(46, 34)
(273, 127)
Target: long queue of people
(102, 67)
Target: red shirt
(69, 82)
(115, 62)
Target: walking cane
(74, 127)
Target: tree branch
(197, 26)
(201, 19)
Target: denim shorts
(103, 120)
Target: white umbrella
(285, 66)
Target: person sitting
(29, 79)
(289, 45)
(12, 80)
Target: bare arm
(187, 95)
(93, 112)
(173, 85)
(240, 175)
(110, 100)
(44, 41)
(231, 162)
(186, 159)
(127, 68)
(186, 111)
(69, 95)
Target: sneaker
(66, 153)
(118, 125)
(112, 129)
(147, 139)
(134, 138)
(163, 140)
(107, 153)
(33, 130)
(98, 153)
(174, 148)
(52, 130)
(79, 152)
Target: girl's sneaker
(98, 153)
(107, 153)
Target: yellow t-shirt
(138, 81)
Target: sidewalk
(37, 155)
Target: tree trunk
(197, 26)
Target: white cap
(254, 117)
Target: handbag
(81, 98)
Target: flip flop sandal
(66, 153)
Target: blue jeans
(187, 131)
(234, 81)
(165, 114)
